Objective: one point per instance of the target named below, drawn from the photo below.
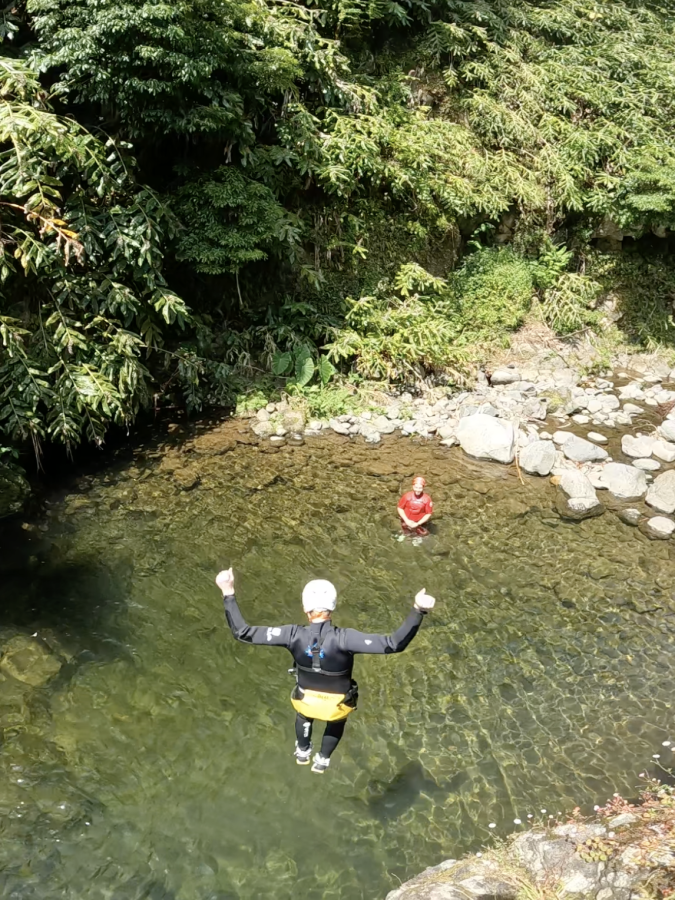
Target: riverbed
(158, 762)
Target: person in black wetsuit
(324, 659)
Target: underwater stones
(186, 478)
(537, 458)
(659, 527)
(579, 450)
(485, 437)
(623, 481)
(639, 447)
(629, 516)
(661, 494)
(29, 661)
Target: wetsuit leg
(303, 731)
(331, 737)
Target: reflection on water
(158, 762)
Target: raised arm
(272, 635)
(359, 642)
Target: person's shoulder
(406, 496)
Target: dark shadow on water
(390, 800)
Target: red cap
(418, 478)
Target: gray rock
(661, 494)
(263, 415)
(664, 450)
(632, 410)
(579, 450)
(448, 430)
(429, 885)
(28, 660)
(393, 412)
(623, 481)
(371, 435)
(340, 427)
(639, 447)
(596, 438)
(667, 429)
(632, 391)
(537, 458)
(559, 437)
(535, 408)
(629, 517)
(384, 425)
(576, 485)
(624, 818)
(485, 437)
(647, 465)
(578, 508)
(581, 420)
(659, 527)
(263, 429)
(505, 376)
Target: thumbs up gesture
(424, 601)
(225, 581)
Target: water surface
(158, 763)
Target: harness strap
(315, 649)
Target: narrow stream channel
(158, 762)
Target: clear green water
(158, 763)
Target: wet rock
(623, 481)
(639, 447)
(579, 450)
(538, 458)
(187, 479)
(29, 661)
(661, 494)
(505, 376)
(629, 516)
(485, 437)
(659, 527)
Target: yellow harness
(316, 705)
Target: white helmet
(319, 594)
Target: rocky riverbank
(613, 433)
(626, 852)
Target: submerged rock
(485, 437)
(659, 527)
(629, 516)
(29, 661)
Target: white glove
(424, 601)
(225, 581)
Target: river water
(158, 762)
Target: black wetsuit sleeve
(273, 635)
(358, 642)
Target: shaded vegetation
(195, 192)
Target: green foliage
(422, 323)
(302, 366)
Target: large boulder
(538, 458)
(485, 437)
(577, 499)
(661, 494)
(29, 661)
(579, 450)
(623, 481)
(576, 485)
(664, 451)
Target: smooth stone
(632, 410)
(647, 465)
(629, 516)
(579, 450)
(485, 437)
(535, 408)
(638, 447)
(505, 376)
(625, 482)
(667, 430)
(383, 424)
(597, 438)
(661, 494)
(537, 458)
(581, 420)
(660, 527)
(263, 429)
(263, 415)
(559, 437)
(664, 451)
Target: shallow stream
(158, 762)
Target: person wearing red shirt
(415, 509)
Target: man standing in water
(415, 509)
(324, 659)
